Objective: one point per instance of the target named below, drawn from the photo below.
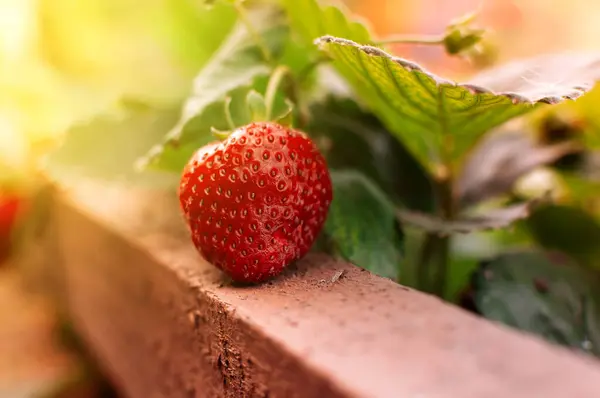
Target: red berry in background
(9, 209)
(256, 202)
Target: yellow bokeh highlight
(65, 61)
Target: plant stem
(424, 259)
(436, 262)
(274, 82)
(292, 91)
(228, 117)
(432, 266)
(425, 40)
(442, 243)
(243, 14)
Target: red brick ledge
(164, 324)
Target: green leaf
(352, 138)
(490, 220)
(171, 155)
(499, 160)
(325, 18)
(236, 68)
(583, 190)
(237, 64)
(312, 20)
(361, 225)
(541, 293)
(106, 147)
(440, 120)
(568, 229)
(586, 110)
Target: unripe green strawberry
(256, 202)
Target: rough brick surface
(166, 324)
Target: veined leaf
(440, 120)
(237, 67)
(542, 293)
(361, 224)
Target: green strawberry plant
(421, 166)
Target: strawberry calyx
(259, 107)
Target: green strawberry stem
(292, 90)
(432, 266)
(426, 40)
(454, 33)
(274, 82)
(228, 117)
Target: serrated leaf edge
(439, 81)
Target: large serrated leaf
(361, 224)
(542, 293)
(237, 67)
(440, 120)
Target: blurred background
(117, 71)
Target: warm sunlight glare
(17, 50)
(17, 30)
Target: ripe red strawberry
(256, 202)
